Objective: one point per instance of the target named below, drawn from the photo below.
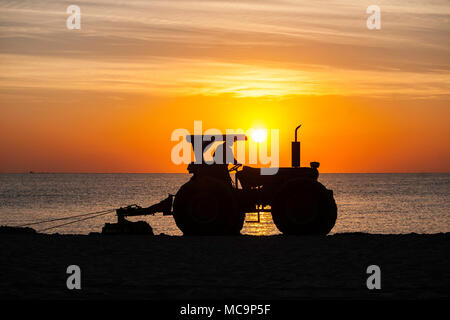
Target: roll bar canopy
(224, 137)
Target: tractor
(211, 203)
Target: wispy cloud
(264, 47)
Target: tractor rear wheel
(304, 207)
(207, 206)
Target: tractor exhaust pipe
(296, 150)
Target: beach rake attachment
(124, 226)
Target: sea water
(373, 203)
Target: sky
(107, 97)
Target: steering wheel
(235, 167)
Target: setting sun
(259, 135)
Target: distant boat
(31, 172)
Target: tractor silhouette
(211, 203)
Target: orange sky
(106, 98)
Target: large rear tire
(207, 206)
(304, 207)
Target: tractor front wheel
(304, 207)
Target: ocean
(370, 203)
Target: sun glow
(259, 135)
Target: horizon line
(124, 172)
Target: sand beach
(163, 267)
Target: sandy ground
(275, 267)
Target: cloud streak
(255, 48)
